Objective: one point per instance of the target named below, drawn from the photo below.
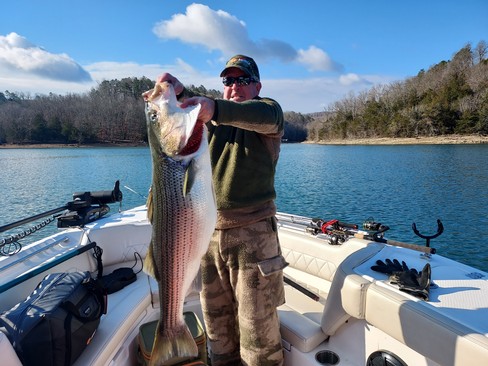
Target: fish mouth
(176, 129)
(194, 141)
(183, 140)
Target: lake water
(395, 185)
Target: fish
(182, 210)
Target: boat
(338, 310)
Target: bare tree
(480, 52)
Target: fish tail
(174, 344)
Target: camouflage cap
(245, 63)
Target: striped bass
(181, 208)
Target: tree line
(451, 97)
(112, 113)
(109, 113)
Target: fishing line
(133, 191)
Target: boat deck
(356, 305)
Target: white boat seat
(306, 323)
(7, 352)
(126, 310)
(132, 233)
(420, 325)
(300, 320)
(347, 296)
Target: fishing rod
(378, 239)
(39, 269)
(377, 236)
(32, 218)
(338, 232)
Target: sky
(310, 53)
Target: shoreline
(70, 146)
(424, 140)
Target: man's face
(240, 93)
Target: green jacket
(244, 141)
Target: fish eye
(153, 116)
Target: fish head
(171, 129)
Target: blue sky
(310, 53)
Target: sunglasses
(241, 80)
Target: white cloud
(304, 95)
(312, 94)
(29, 69)
(349, 79)
(19, 55)
(317, 60)
(107, 70)
(217, 30)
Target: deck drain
(327, 358)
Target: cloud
(315, 94)
(218, 30)
(19, 55)
(109, 70)
(27, 68)
(349, 79)
(317, 60)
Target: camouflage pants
(242, 286)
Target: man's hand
(177, 85)
(207, 107)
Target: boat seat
(420, 325)
(127, 309)
(300, 320)
(347, 296)
(132, 235)
(306, 323)
(9, 357)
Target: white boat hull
(359, 312)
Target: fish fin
(172, 344)
(189, 178)
(196, 285)
(149, 205)
(149, 266)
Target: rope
(10, 245)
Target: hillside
(451, 97)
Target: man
(242, 270)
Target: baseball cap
(245, 63)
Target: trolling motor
(89, 206)
(85, 207)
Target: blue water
(395, 185)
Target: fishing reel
(370, 224)
(377, 229)
(335, 231)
